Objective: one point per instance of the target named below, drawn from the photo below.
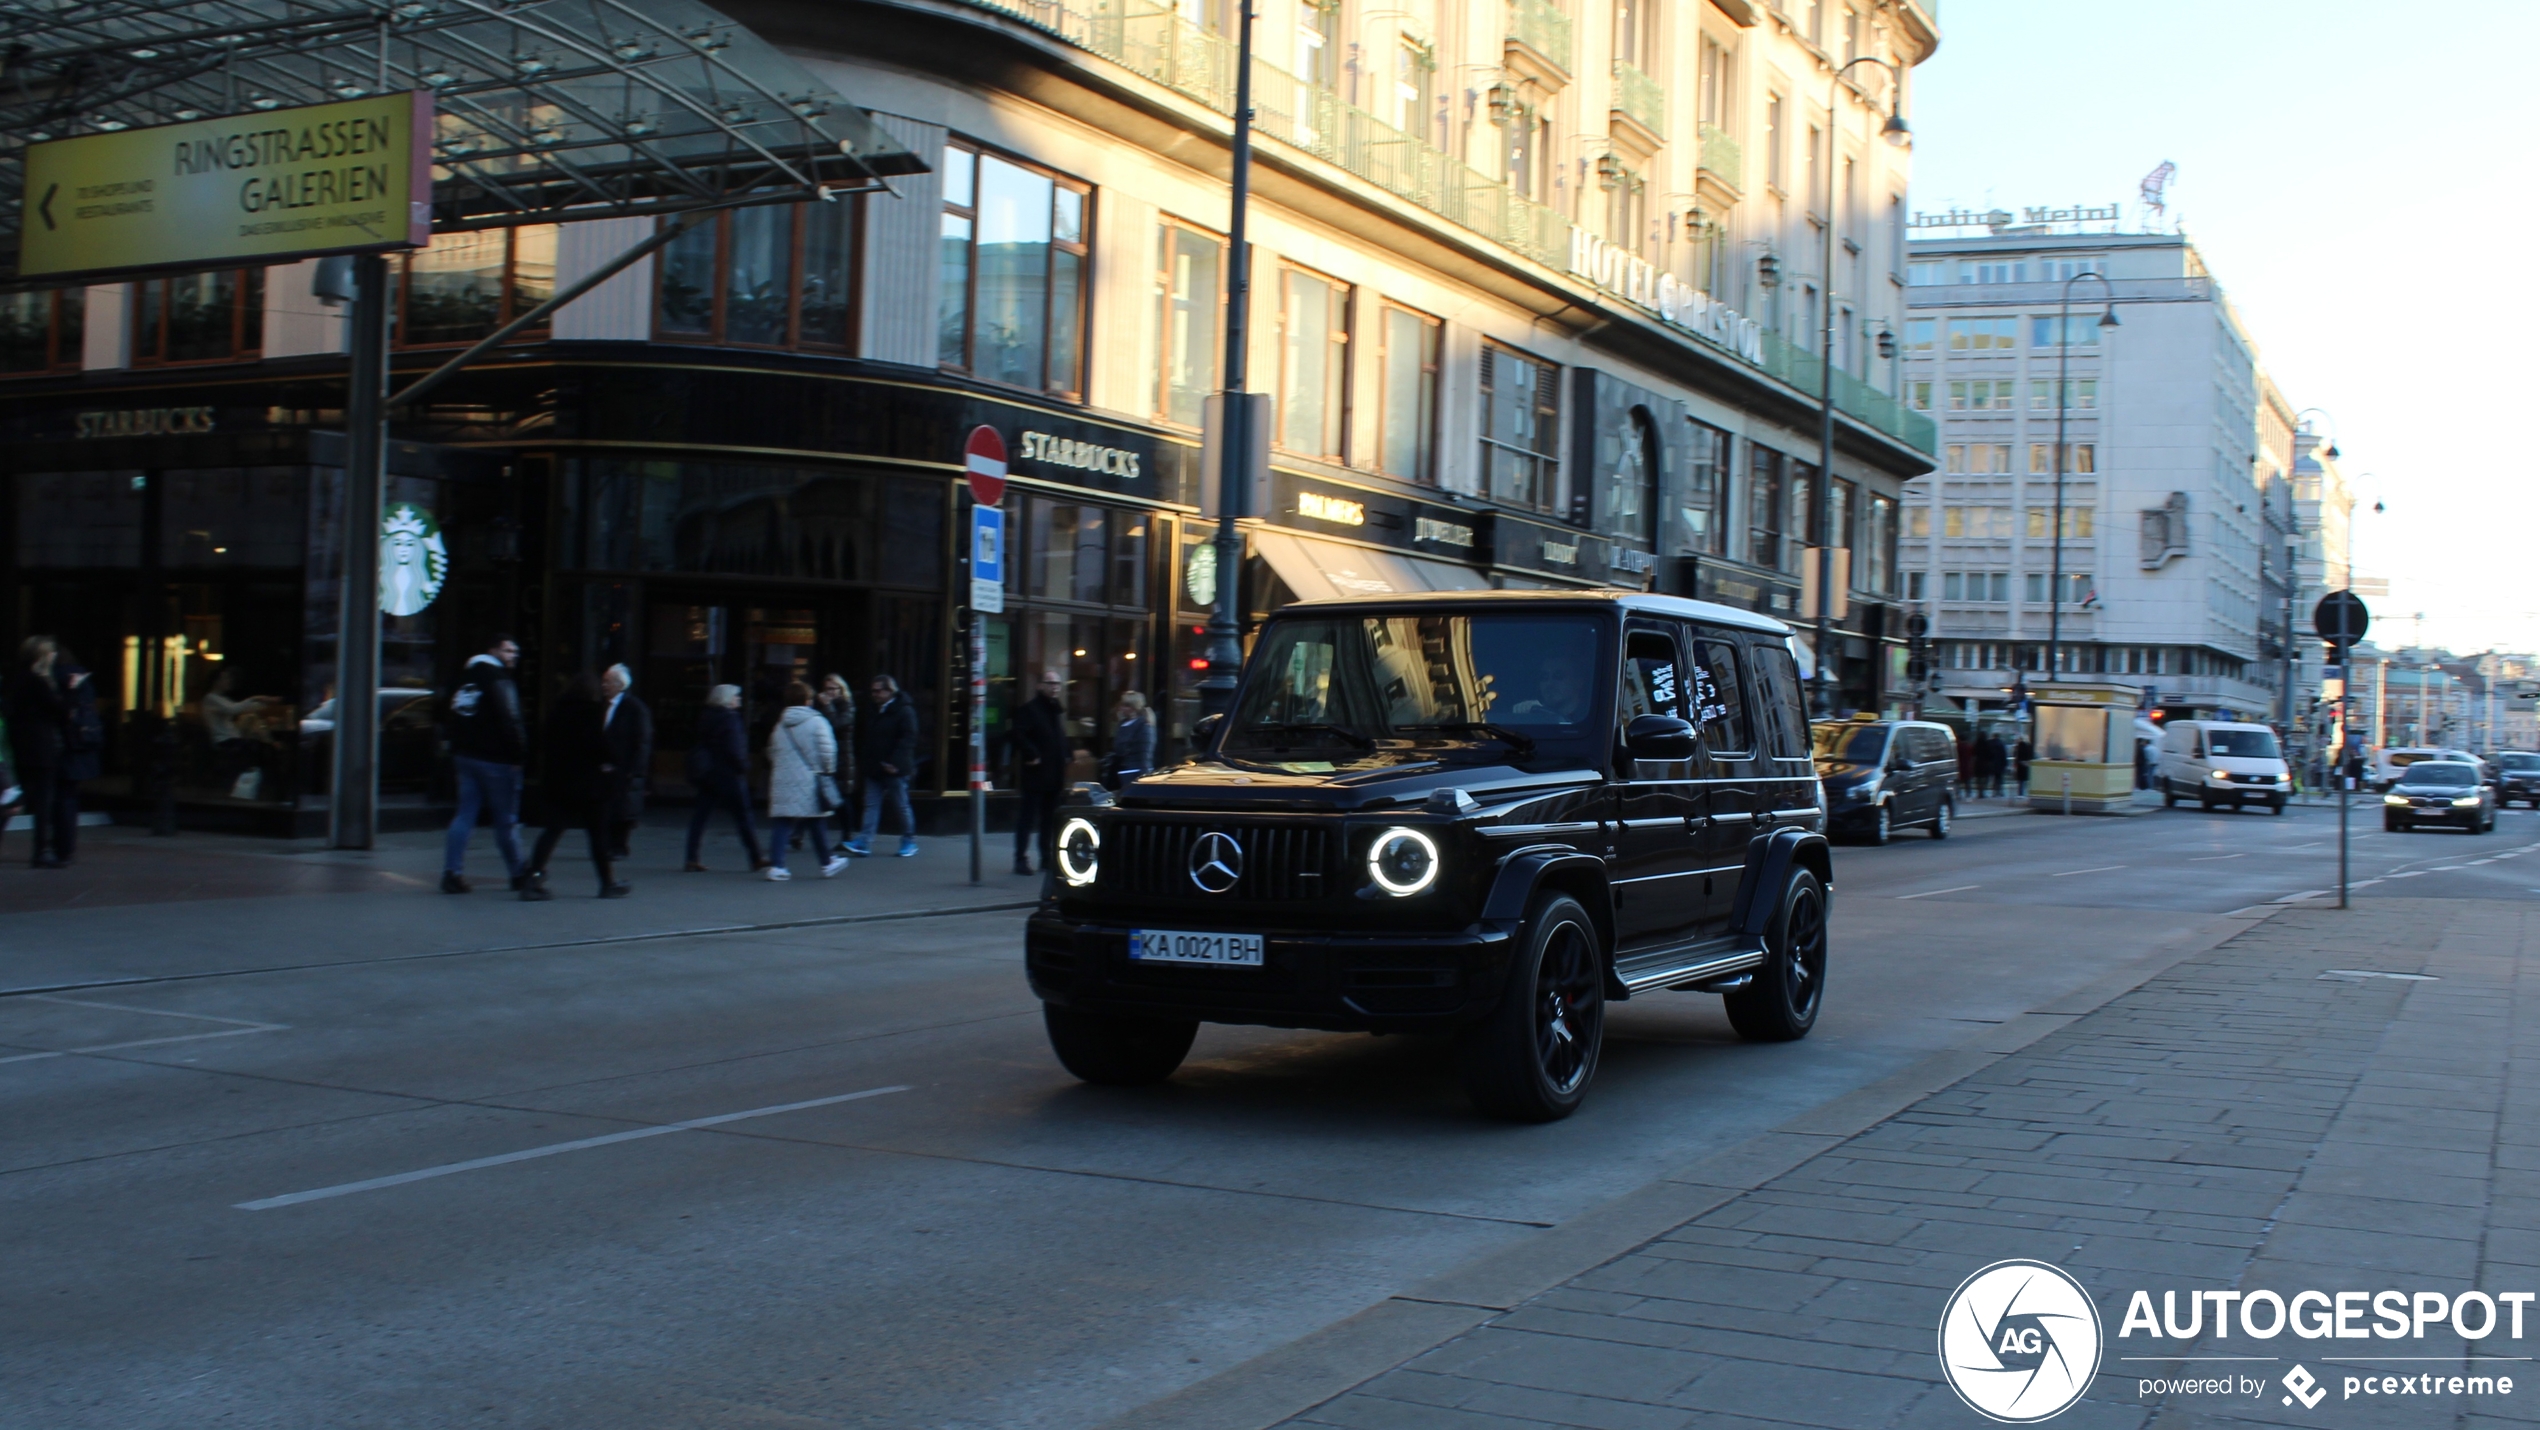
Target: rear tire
(1114, 1051)
(1532, 1059)
(1781, 1005)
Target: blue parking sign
(987, 559)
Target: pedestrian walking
(10, 794)
(38, 717)
(1040, 753)
(719, 768)
(1132, 742)
(2021, 754)
(836, 704)
(83, 750)
(802, 786)
(1992, 756)
(626, 728)
(886, 756)
(489, 742)
(578, 788)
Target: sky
(2361, 180)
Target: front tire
(1532, 1059)
(1940, 821)
(1881, 825)
(2393, 824)
(1781, 1005)
(2169, 795)
(1114, 1051)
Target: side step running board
(1713, 963)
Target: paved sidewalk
(2251, 1118)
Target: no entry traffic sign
(984, 456)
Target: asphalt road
(889, 1207)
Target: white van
(2220, 762)
(2387, 763)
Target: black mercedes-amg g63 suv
(1485, 813)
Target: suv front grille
(1151, 858)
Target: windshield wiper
(1524, 745)
(1347, 736)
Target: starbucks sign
(413, 560)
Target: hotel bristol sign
(1678, 305)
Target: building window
(2078, 588)
(1406, 443)
(465, 285)
(1189, 299)
(1925, 275)
(1626, 205)
(1528, 140)
(1776, 164)
(1414, 87)
(1983, 334)
(1318, 48)
(1011, 300)
(2077, 521)
(2064, 270)
(2080, 330)
(1767, 499)
(777, 276)
(2081, 394)
(1975, 586)
(1919, 334)
(1705, 513)
(1918, 394)
(1983, 395)
(1913, 585)
(1521, 429)
(41, 329)
(1999, 272)
(1313, 365)
(1918, 520)
(2081, 458)
(199, 317)
(1711, 103)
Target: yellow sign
(292, 183)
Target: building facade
(2179, 550)
(1535, 293)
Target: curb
(653, 936)
(1306, 1372)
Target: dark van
(1886, 775)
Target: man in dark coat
(578, 788)
(489, 742)
(886, 755)
(83, 750)
(1040, 758)
(39, 716)
(719, 766)
(626, 727)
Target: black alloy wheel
(1882, 824)
(1781, 1005)
(1532, 1059)
(1940, 819)
(1115, 1051)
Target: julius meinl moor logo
(2020, 1341)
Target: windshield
(2519, 762)
(1847, 743)
(2434, 773)
(2242, 744)
(1324, 693)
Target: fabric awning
(1319, 570)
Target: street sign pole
(2341, 620)
(984, 457)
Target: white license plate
(1236, 950)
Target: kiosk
(2084, 736)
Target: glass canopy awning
(544, 111)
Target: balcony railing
(1161, 45)
(1541, 26)
(1638, 98)
(1722, 155)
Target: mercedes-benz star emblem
(1217, 862)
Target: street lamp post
(2063, 411)
(1234, 446)
(1821, 500)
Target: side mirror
(1204, 732)
(1658, 737)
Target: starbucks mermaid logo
(413, 560)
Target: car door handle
(1696, 823)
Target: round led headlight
(1079, 852)
(1403, 862)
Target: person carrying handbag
(802, 767)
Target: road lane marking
(1928, 893)
(2411, 874)
(232, 1028)
(2305, 894)
(2209, 858)
(2101, 869)
(346, 1189)
(2297, 848)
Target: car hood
(2455, 791)
(1241, 785)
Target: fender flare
(1525, 871)
(1769, 860)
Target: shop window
(1631, 491)
(465, 285)
(199, 317)
(1521, 429)
(1313, 365)
(1080, 552)
(1188, 300)
(1766, 504)
(1704, 517)
(1408, 416)
(802, 523)
(41, 329)
(1011, 300)
(76, 519)
(775, 276)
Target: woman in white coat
(801, 754)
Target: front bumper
(1309, 978)
(2434, 814)
(2246, 794)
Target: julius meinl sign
(287, 184)
(2022, 1341)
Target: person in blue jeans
(886, 755)
(489, 743)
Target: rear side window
(1931, 746)
(1719, 697)
(1783, 723)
